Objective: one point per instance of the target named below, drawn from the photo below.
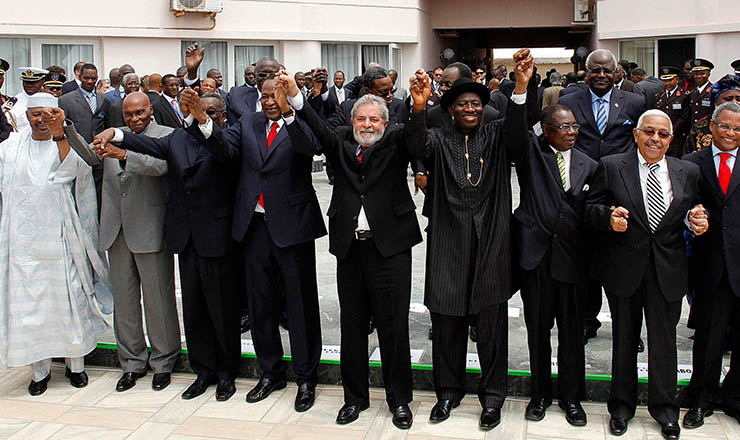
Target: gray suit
(132, 230)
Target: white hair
(601, 51)
(373, 100)
(128, 76)
(655, 112)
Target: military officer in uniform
(53, 83)
(675, 103)
(6, 102)
(736, 67)
(726, 89)
(701, 102)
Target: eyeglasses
(649, 132)
(383, 92)
(725, 127)
(212, 112)
(599, 71)
(447, 84)
(564, 128)
(479, 72)
(267, 75)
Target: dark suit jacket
(164, 114)
(153, 96)
(114, 95)
(550, 219)
(5, 127)
(114, 118)
(718, 249)
(573, 88)
(333, 101)
(701, 103)
(76, 109)
(499, 101)
(678, 108)
(379, 184)
(225, 96)
(69, 86)
(624, 111)
(242, 100)
(281, 173)
(649, 88)
(627, 85)
(356, 86)
(623, 257)
(201, 190)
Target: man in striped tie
(643, 202)
(553, 251)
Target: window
(247, 55)
(66, 56)
(15, 51)
(396, 61)
(214, 57)
(641, 52)
(374, 53)
(342, 57)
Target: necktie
(360, 152)
(656, 203)
(176, 108)
(724, 171)
(561, 168)
(601, 115)
(270, 137)
(91, 102)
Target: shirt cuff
(190, 82)
(296, 101)
(519, 99)
(188, 121)
(289, 120)
(325, 95)
(118, 136)
(206, 128)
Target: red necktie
(362, 150)
(724, 171)
(270, 138)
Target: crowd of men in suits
(224, 181)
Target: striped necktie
(601, 115)
(90, 97)
(656, 203)
(561, 169)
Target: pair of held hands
(698, 219)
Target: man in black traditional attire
(468, 269)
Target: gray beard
(368, 139)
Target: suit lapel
(258, 125)
(82, 101)
(616, 103)
(587, 109)
(99, 100)
(631, 178)
(706, 164)
(734, 177)
(282, 135)
(550, 161)
(678, 181)
(576, 170)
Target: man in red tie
(716, 270)
(276, 219)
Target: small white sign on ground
(513, 312)
(415, 355)
(417, 308)
(330, 352)
(247, 346)
(472, 361)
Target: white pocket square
(586, 187)
(627, 122)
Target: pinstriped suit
(132, 229)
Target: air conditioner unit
(205, 6)
(582, 12)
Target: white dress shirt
(595, 105)
(566, 160)
(730, 161)
(340, 94)
(663, 177)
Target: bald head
(137, 111)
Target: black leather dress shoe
(640, 346)
(536, 409)
(402, 417)
(197, 388)
(38, 388)
(264, 388)
(225, 389)
(245, 324)
(441, 410)
(574, 413)
(671, 431)
(489, 418)
(694, 417)
(350, 413)
(588, 333)
(160, 381)
(617, 425)
(305, 397)
(77, 380)
(128, 380)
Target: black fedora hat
(465, 85)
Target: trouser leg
(626, 323)
(449, 355)
(76, 364)
(539, 309)
(571, 353)
(40, 369)
(493, 345)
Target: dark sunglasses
(649, 132)
(212, 112)
(266, 75)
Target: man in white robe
(55, 296)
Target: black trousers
(210, 308)
(714, 312)
(266, 265)
(545, 300)
(661, 318)
(592, 305)
(372, 285)
(449, 354)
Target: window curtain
(66, 56)
(246, 56)
(379, 54)
(213, 58)
(17, 52)
(340, 57)
(641, 52)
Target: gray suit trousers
(153, 275)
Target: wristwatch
(288, 114)
(60, 138)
